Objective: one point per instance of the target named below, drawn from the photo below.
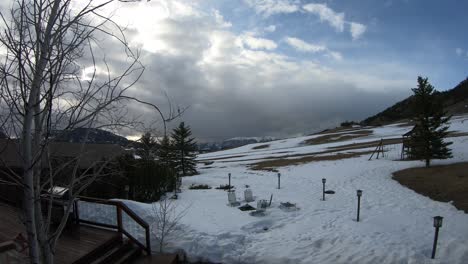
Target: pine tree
(427, 140)
(166, 152)
(148, 147)
(184, 150)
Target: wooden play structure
(378, 150)
(406, 145)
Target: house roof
(85, 154)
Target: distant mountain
(455, 102)
(232, 143)
(95, 136)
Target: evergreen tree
(148, 147)
(166, 152)
(427, 140)
(184, 150)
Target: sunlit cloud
(357, 30)
(326, 14)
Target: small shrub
(199, 187)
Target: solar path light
(279, 180)
(437, 225)
(359, 194)
(323, 192)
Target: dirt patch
(220, 158)
(388, 141)
(337, 130)
(457, 134)
(261, 146)
(441, 183)
(405, 123)
(271, 165)
(331, 138)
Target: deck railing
(114, 215)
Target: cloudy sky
(290, 67)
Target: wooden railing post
(76, 211)
(119, 220)
(148, 241)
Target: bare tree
(165, 221)
(46, 47)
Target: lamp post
(323, 191)
(229, 185)
(359, 194)
(279, 180)
(437, 225)
(175, 186)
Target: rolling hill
(455, 101)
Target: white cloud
(270, 28)
(220, 20)
(301, 45)
(258, 43)
(357, 30)
(335, 19)
(327, 14)
(271, 7)
(335, 55)
(304, 46)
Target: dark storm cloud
(243, 102)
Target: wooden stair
(115, 251)
(159, 259)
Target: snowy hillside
(396, 223)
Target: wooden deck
(10, 223)
(158, 259)
(72, 245)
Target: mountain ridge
(455, 101)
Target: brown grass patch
(336, 130)
(441, 183)
(261, 146)
(405, 123)
(331, 138)
(389, 141)
(271, 165)
(457, 134)
(220, 158)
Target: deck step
(106, 256)
(130, 256)
(100, 251)
(121, 253)
(158, 259)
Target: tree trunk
(428, 163)
(28, 181)
(40, 242)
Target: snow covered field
(395, 225)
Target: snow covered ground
(395, 225)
